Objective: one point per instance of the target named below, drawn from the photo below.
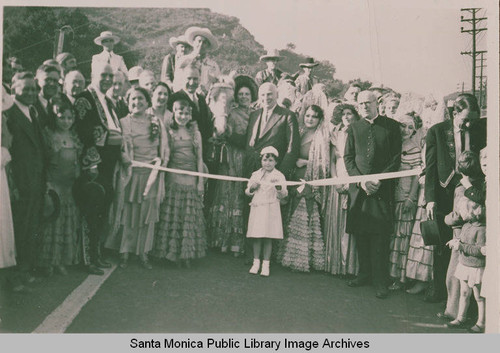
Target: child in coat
(267, 187)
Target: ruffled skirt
(341, 256)
(181, 232)
(138, 216)
(400, 242)
(420, 257)
(59, 241)
(472, 275)
(304, 247)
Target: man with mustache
(47, 77)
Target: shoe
(444, 316)
(457, 324)
(102, 264)
(94, 270)
(145, 263)
(124, 260)
(396, 286)
(61, 270)
(255, 267)
(419, 287)
(265, 268)
(357, 282)
(476, 329)
(381, 293)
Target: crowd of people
(74, 170)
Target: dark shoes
(124, 260)
(381, 293)
(94, 270)
(102, 264)
(357, 282)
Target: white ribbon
(320, 182)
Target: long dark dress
(227, 226)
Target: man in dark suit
(444, 143)
(47, 78)
(99, 129)
(28, 167)
(373, 146)
(271, 125)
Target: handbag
(434, 232)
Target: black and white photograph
(249, 167)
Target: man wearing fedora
(28, 167)
(306, 81)
(271, 74)
(203, 41)
(100, 131)
(108, 41)
(182, 47)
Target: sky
(406, 45)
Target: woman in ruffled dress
(181, 234)
(419, 266)
(59, 240)
(226, 217)
(341, 254)
(304, 247)
(406, 195)
(136, 209)
(159, 100)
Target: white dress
(265, 214)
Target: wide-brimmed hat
(273, 54)
(193, 32)
(61, 58)
(178, 40)
(246, 81)
(106, 35)
(434, 232)
(309, 62)
(134, 73)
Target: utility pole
(481, 83)
(474, 21)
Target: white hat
(193, 32)
(134, 73)
(106, 35)
(178, 40)
(272, 55)
(269, 149)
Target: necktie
(465, 140)
(33, 113)
(109, 58)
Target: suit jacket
(116, 61)
(281, 132)
(91, 125)
(42, 113)
(305, 84)
(372, 149)
(265, 76)
(440, 159)
(168, 69)
(28, 152)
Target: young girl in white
(267, 186)
(471, 261)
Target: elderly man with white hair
(373, 146)
(74, 84)
(99, 130)
(271, 125)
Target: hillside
(29, 34)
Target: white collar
(270, 110)
(24, 108)
(42, 99)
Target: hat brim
(246, 81)
(174, 42)
(99, 39)
(309, 65)
(199, 32)
(270, 57)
